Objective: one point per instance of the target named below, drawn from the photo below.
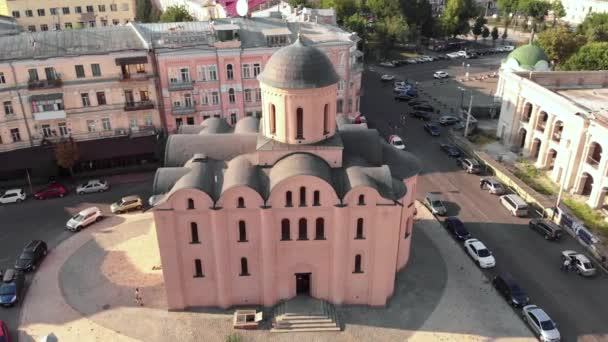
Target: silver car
(94, 185)
(495, 187)
(579, 262)
(541, 323)
(434, 203)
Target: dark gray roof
(181, 147)
(299, 66)
(249, 124)
(299, 164)
(241, 172)
(166, 177)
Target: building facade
(57, 85)
(578, 10)
(200, 10)
(266, 210)
(209, 69)
(48, 15)
(559, 121)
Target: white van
(515, 204)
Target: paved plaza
(84, 291)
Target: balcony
(137, 76)
(182, 110)
(50, 115)
(139, 105)
(44, 84)
(181, 85)
(142, 131)
(101, 134)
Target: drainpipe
(27, 126)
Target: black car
(424, 107)
(417, 103)
(11, 289)
(403, 97)
(548, 229)
(456, 227)
(451, 150)
(432, 129)
(32, 256)
(421, 115)
(508, 288)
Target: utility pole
(466, 126)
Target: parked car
(11, 289)
(52, 190)
(403, 97)
(451, 150)
(126, 204)
(579, 262)
(421, 115)
(84, 218)
(32, 255)
(508, 48)
(541, 324)
(510, 290)
(13, 196)
(495, 187)
(547, 228)
(387, 77)
(401, 88)
(427, 58)
(432, 128)
(424, 107)
(480, 253)
(4, 334)
(452, 55)
(471, 55)
(411, 61)
(448, 120)
(515, 205)
(360, 119)
(470, 165)
(93, 185)
(440, 74)
(435, 204)
(456, 228)
(387, 64)
(396, 142)
(401, 84)
(461, 53)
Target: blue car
(432, 128)
(412, 92)
(456, 228)
(451, 150)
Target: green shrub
(590, 217)
(234, 337)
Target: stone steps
(304, 315)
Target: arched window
(326, 119)
(359, 233)
(244, 267)
(302, 197)
(240, 202)
(273, 119)
(285, 233)
(320, 229)
(361, 200)
(190, 203)
(358, 268)
(194, 233)
(229, 72)
(231, 96)
(242, 231)
(300, 123)
(198, 268)
(288, 201)
(316, 200)
(302, 231)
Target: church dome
(528, 56)
(299, 66)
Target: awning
(46, 97)
(132, 60)
(116, 147)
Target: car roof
(32, 244)
(88, 210)
(433, 197)
(582, 257)
(131, 198)
(477, 244)
(509, 280)
(13, 190)
(538, 312)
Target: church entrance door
(303, 284)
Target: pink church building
(288, 205)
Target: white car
(427, 58)
(84, 218)
(579, 262)
(461, 53)
(387, 64)
(441, 74)
(508, 48)
(480, 253)
(387, 77)
(401, 88)
(453, 55)
(94, 185)
(542, 325)
(396, 142)
(399, 84)
(13, 196)
(448, 120)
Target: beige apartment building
(52, 15)
(96, 86)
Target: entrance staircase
(304, 314)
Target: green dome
(528, 55)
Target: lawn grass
(482, 138)
(591, 218)
(534, 178)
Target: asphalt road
(45, 220)
(578, 305)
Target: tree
(356, 23)
(537, 9)
(494, 34)
(485, 33)
(296, 3)
(480, 23)
(344, 9)
(559, 43)
(456, 16)
(390, 30)
(504, 34)
(419, 16)
(558, 11)
(594, 27)
(592, 56)
(384, 8)
(146, 12)
(66, 154)
(176, 14)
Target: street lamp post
(466, 126)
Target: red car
(52, 190)
(4, 335)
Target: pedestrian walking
(138, 300)
(566, 265)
